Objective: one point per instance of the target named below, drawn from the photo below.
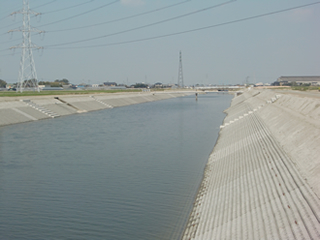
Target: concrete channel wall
(262, 180)
(26, 109)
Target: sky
(134, 41)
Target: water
(124, 173)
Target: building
(110, 84)
(83, 85)
(11, 85)
(260, 84)
(312, 80)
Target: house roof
(299, 78)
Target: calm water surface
(124, 173)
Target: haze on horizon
(131, 41)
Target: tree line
(3, 83)
(56, 83)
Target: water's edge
(262, 131)
(33, 108)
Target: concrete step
(99, 101)
(41, 108)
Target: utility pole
(27, 74)
(180, 73)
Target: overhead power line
(193, 30)
(10, 41)
(10, 25)
(80, 14)
(32, 16)
(5, 17)
(45, 4)
(62, 9)
(123, 18)
(8, 11)
(115, 20)
(144, 26)
(58, 10)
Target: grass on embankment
(61, 92)
(305, 88)
(296, 88)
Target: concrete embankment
(262, 180)
(26, 109)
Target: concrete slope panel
(33, 112)
(10, 116)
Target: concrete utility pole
(180, 73)
(27, 74)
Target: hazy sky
(259, 49)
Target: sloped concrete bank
(262, 180)
(26, 109)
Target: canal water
(122, 173)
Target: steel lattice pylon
(27, 75)
(180, 74)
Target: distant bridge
(219, 88)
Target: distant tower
(180, 74)
(27, 74)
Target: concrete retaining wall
(262, 180)
(25, 109)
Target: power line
(144, 26)
(4, 17)
(193, 30)
(121, 19)
(15, 12)
(9, 24)
(45, 4)
(105, 5)
(8, 14)
(62, 9)
(111, 21)
(10, 41)
(58, 10)
(80, 14)
(3, 50)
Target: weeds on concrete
(62, 92)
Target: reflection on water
(123, 173)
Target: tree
(63, 81)
(3, 83)
(140, 85)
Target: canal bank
(25, 109)
(262, 178)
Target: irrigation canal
(123, 173)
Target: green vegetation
(301, 87)
(61, 92)
(56, 83)
(140, 85)
(159, 89)
(305, 88)
(3, 83)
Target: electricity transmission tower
(180, 74)
(27, 75)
